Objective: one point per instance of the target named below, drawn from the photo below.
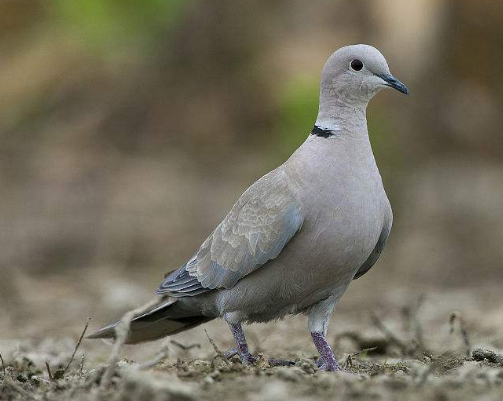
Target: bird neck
(338, 115)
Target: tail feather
(163, 320)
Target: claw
(248, 359)
(230, 353)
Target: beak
(392, 82)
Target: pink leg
(242, 345)
(243, 351)
(327, 359)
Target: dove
(298, 236)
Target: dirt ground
(393, 342)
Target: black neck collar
(322, 132)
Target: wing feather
(255, 231)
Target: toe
(280, 362)
(248, 359)
(230, 353)
(330, 366)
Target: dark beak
(392, 82)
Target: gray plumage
(298, 236)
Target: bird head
(354, 74)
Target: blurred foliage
(115, 25)
(129, 128)
(297, 108)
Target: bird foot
(326, 361)
(319, 362)
(243, 352)
(230, 353)
(250, 359)
(331, 366)
(246, 359)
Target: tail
(165, 319)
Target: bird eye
(356, 65)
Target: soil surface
(393, 343)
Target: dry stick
(158, 359)
(389, 335)
(185, 347)
(349, 359)
(51, 378)
(462, 328)
(77, 346)
(217, 350)
(3, 364)
(81, 364)
(121, 333)
(418, 329)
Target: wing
(255, 231)
(376, 252)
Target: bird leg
(244, 353)
(326, 360)
(242, 345)
(319, 314)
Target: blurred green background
(128, 129)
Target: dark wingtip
(107, 331)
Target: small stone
(480, 354)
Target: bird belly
(320, 261)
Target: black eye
(356, 65)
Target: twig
(81, 364)
(51, 378)
(185, 347)
(42, 380)
(389, 335)
(212, 342)
(158, 359)
(418, 329)
(77, 346)
(462, 328)
(3, 364)
(121, 333)
(217, 350)
(349, 359)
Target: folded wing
(255, 231)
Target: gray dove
(297, 237)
